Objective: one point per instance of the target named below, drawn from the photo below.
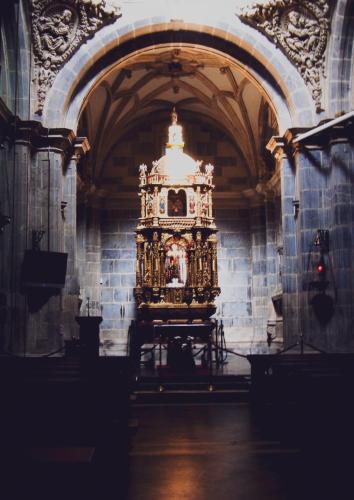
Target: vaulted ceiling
(202, 84)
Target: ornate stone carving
(174, 65)
(59, 28)
(300, 28)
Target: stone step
(189, 396)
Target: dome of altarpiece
(176, 166)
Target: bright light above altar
(177, 166)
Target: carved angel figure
(154, 169)
(209, 169)
(142, 170)
(303, 32)
(54, 32)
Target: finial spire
(175, 138)
(174, 116)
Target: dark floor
(191, 445)
(198, 452)
(228, 451)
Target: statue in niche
(176, 263)
(204, 205)
(150, 204)
(162, 205)
(191, 205)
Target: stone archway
(281, 96)
(47, 148)
(266, 65)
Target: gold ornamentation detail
(300, 28)
(59, 29)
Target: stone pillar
(90, 283)
(340, 209)
(274, 317)
(326, 179)
(44, 328)
(38, 201)
(5, 239)
(317, 193)
(289, 271)
(69, 214)
(312, 167)
(18, 167)
(259, 272)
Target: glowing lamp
(320, 268)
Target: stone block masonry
(242, 267)
(117, 274)
(234, 267)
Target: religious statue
(142, 173)
(59, 29)
(150, 204)
(55, 31)
(162, 205)
(303, 33)
(175, 131)
(301, 29)
(209, 170)
(176, 260)
(191, 205)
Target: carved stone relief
(59, 29)
(300, 28)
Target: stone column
(273, 218)
(340, 209)
(312, 167)
(37, 180)
(259, 272)
(289, 271)
(18, 167)
(69, 214)
(325, 185)
(5, 238)
(44, 324)
(91, 280)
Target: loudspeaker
(43, 269)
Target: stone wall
(234, 266)
(89, 259)
(242, 264)
(118, 274)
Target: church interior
(176, 249)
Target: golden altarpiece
(176, 268)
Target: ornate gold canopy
(176, 273)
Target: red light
(320, 268)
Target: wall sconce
(63, 206)
(296, 206)
(322, 240)
(36, 239)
